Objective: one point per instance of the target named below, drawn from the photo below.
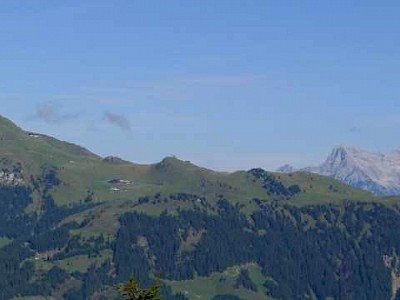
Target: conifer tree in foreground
(131, 290)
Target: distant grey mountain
(371, 171)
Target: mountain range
(74, 225)
(371, 171)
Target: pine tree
(131, 290)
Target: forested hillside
(75, 225)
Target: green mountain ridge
(75, 224)
(35, 150)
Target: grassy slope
(222, 283)
(318, 189)
(4, 241)
(82, 171)
(80, 263)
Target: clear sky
(226, 84)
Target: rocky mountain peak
(395, 154)
(372, 171)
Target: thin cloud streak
(51, 113)
(166, 86)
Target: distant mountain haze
(375, 172)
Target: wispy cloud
(355, 129)
(50, 112)
(117, 120)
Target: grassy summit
(82, 172)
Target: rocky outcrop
(10, 178)
(374, 172)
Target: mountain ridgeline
(74, 225)
(371, 171)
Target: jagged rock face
(371, 171)
(10, 178)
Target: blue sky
(226, 84)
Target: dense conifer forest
(320, 250)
